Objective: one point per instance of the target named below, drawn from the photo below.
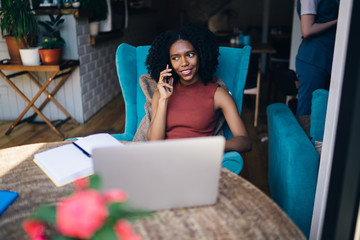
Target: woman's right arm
(159, 104)
(310, 28)
(157, 126)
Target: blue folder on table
(6, 199)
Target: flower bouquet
(85, 214)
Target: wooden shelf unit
(77, 12)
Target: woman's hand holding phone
(165, 84)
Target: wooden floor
(111, 119)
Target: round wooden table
(241, 212)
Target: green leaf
(57, 35)
(49, 23)
(122, 210)
(46, 213)
(46, 26)
(59, 23)
(106, 232)
(58, 237)
(95, 182)
(52, 18)
(58, 17)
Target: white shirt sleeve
(309, 6)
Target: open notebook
(66, 163)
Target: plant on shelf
(18, 26)
(99, 12)
(53, 43)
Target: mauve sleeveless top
(190, 111)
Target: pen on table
(85, 152)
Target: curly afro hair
(204, 42)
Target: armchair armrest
(233, 161)
(123, 136)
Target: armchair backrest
(130, 63)
(232, 69)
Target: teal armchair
(293, 159)
(130, 63)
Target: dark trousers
(310, 78)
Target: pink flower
(81, 214)
(34, 228)
(81, 183)
(123, 231)
(38, 238)
(114, 195)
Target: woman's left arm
(241, 141)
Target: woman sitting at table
(187, 103)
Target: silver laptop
(163, 174)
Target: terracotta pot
(50, 56)
(13, 49)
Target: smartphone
(167, 79)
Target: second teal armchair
(293, 159)
(130, 63)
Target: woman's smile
(186, 72)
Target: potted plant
(99, 12)
(52, 44)
(18, 26)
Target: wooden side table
(63, 70)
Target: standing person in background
(315, 55)
(188, 102)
